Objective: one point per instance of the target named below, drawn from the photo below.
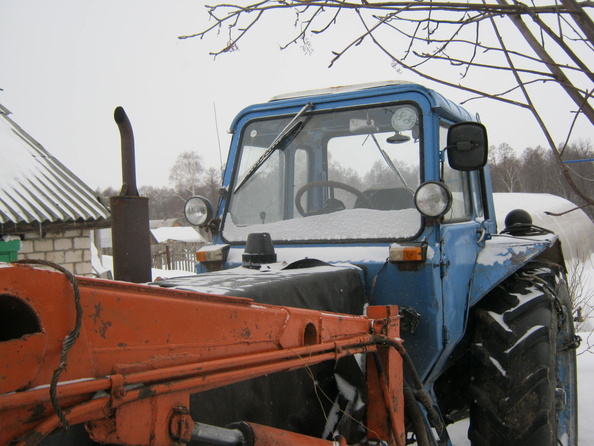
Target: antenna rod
(218, 137)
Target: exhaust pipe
(130, 231)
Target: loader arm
(141, 351)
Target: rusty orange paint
(174, 343)
(385, 413)
(143, 422)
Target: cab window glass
(459, 184)
(301, 169)
(262, 201)
(345, 174)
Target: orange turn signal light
(201, 256)
(407, 253)
(212, 253)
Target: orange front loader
(124, 359)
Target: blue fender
(501, 256)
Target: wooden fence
(174, 255)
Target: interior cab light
(408, 253)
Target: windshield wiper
(389, 161)
(291, 129)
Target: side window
(477, 185)
(459, 184)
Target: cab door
(461, 237)
(460, 242)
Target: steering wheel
(328, 183)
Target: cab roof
(337, 90)
(352, 95)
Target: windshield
(343, 175)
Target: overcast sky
(66, 65)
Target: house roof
(177, 233)
(37, 192)
(164, 223)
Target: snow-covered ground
(586, 389)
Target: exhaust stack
(130, 231)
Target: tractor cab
(318, 168)
(389, 178)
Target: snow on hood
(343, 225)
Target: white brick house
(44, 204)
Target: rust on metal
(178, 343)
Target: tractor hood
(306, 283)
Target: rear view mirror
(467, 146)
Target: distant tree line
(535, 170)
(188, 177)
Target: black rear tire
(523, 386)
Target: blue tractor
(380, 194)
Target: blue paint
(466, 257)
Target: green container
(9, 250)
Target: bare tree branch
(536, 114)
(563, 81)
(426, 37)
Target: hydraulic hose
(421, 395)
(69, 340)
(415, 415)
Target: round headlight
(198, 211)
(433, 199)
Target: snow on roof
(35, 188)
(166, 222)
(177, 233)
(338, 89)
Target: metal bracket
(410, 319)
(181, 425)
(573, 344)
(118, 391)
